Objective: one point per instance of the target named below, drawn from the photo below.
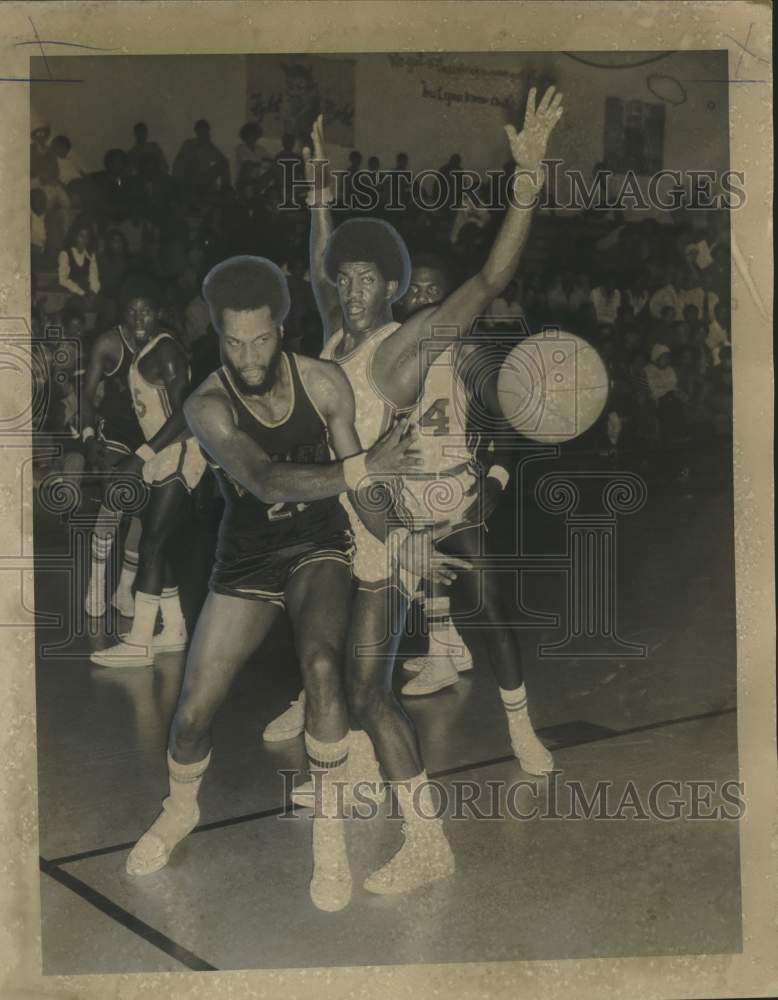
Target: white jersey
(373, 411)
(439, 490)
(151, 402)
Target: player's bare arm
(321, 230)
(171, 369)
(211, 419)
(401, 366)
(103, 358)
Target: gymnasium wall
(427, 105)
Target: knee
(365, 698)
(191, 723)
(321, 670)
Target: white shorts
(182, 461)
(428, 500)
(372, 567)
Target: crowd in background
(653, 297)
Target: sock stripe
(517, 707)
(327, 765)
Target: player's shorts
(425, 500)
(182, 462)
(263, 575)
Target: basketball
(552, 387)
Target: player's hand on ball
(528, 147)
(418, 555)
(395, 453)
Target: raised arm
(400, 357)
(321, 230)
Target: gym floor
(235, 894)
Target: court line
(127, 920)
(602, 735)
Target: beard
(267, 383)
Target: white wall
(171, 92)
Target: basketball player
(265, 420)
(358, 272)
(157, 383)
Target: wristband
(145, 452)
(355, 470)
(87, 433)
(501, 475)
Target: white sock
(418, 806)
(128, 573)
(170, 606)
(180, 814)
(142, 631)
(331, 882)
(101, 549)
(533, 756)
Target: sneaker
(437, 673)
(123, 654)
(424, 857)
(331, 885)
(171, 639)
(288, 724)
(446, 647)
(152, 852)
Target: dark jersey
(249, 524)
(116, 412)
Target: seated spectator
(68, 164)
(665, 296)
(197, 319)
(250, 157)
(145, 149)
(637, 295)
(660, 374)
(288, 170)
(200, 167)
(720, 394)
(110, 190)
(40, 150)
(38, 227)
(78, 269)
(681, 335)
(606, 299)
(558, 298)
(718, 335)
(580, 292)
(114, 264)
(585, 322)
(58, 206)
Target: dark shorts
(263, 575)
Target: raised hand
(528, 147)
(314, 163)
(395, 453)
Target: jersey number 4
(437, 417)
(277, 512)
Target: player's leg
(447, 656)
(104, 533)
(318, 599)
(173, 636)
(123, 598)
(159, 519)
(481, 588)
(228, 631)
(377, 620)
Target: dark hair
(243, 283)
(62, 140)
(371, 240)
(114, 156)
(111, 234)
(249, 131)
(75, 228)
(140, 127)
(202, 123)
(139, 286)
(435, 262)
